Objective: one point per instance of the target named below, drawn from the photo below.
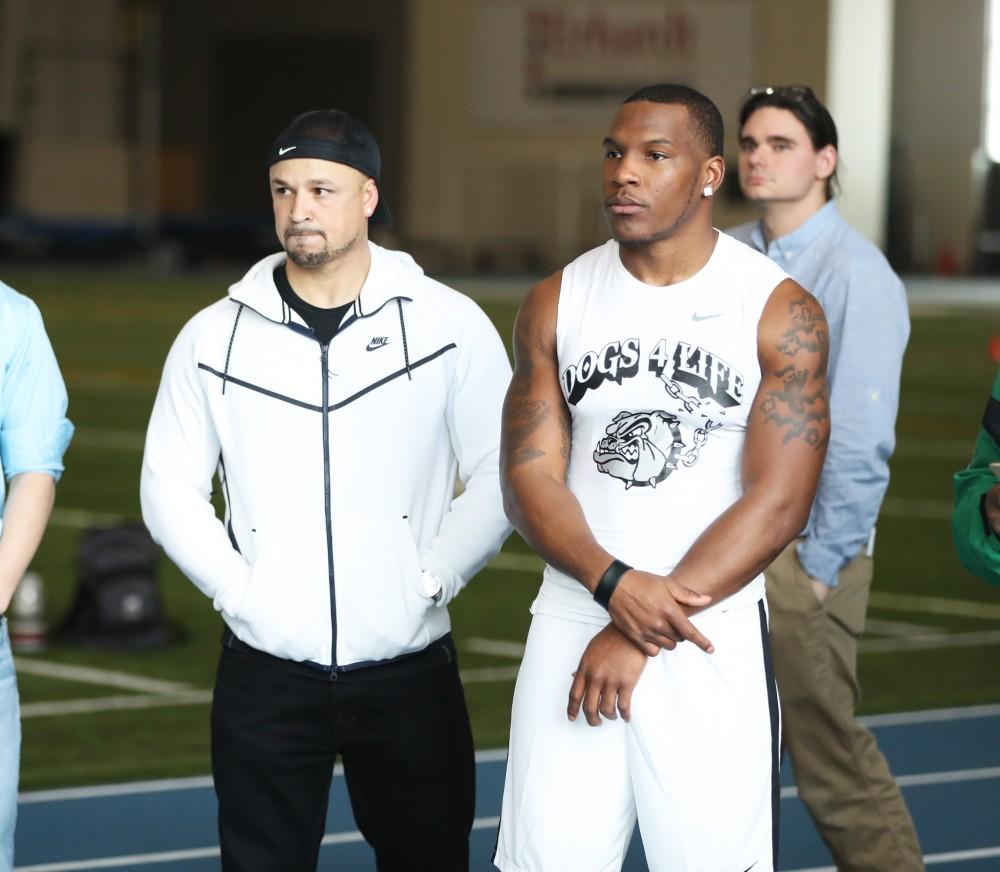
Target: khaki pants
(842, 777)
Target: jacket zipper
(324, 363)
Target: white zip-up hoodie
(337, 463)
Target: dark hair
(704, 114)
(807, 108)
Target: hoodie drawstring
(229, 351)
(406, 350)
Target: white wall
(859, 92)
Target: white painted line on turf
(517, 562)
(933, 605)
(911, 507)
(119, 440)
(130, 860)
(896, 629)
(80, 519)
(497, 647)
(94, 705)
(488, 673)
(902, 637)
(112, 704)
(103, 677)
(929, 641)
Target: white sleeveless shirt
(659, 382)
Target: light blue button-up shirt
(34, 430)
(865, 305)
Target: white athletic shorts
(697, 764)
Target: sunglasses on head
(789, 92)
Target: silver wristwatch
(433, 586)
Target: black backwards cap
(329, 134)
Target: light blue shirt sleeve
(865, 306)
(869, 327)
(34, 430)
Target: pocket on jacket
(281, 612)
(381, 607)
(403, 570)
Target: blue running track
(948, 763)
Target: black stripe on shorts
(772, 705)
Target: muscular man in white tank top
(663, 436)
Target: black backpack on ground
(117, 601)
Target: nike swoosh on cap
(704, 316)
(284, 150)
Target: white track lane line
(165, 785)
(922, 779)
(932, 859)
(484, 823)
(495, 755)
(932, 716)
(130, 860)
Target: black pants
(407, 751)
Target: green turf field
(934, 637)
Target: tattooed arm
(535, 443)
(787, 433)
(534, 457)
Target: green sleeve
(977, 545)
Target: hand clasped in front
(650, 610)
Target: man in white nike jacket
(337, 391)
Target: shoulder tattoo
(523, 415)
(802, 405)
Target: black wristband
(609, 581)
